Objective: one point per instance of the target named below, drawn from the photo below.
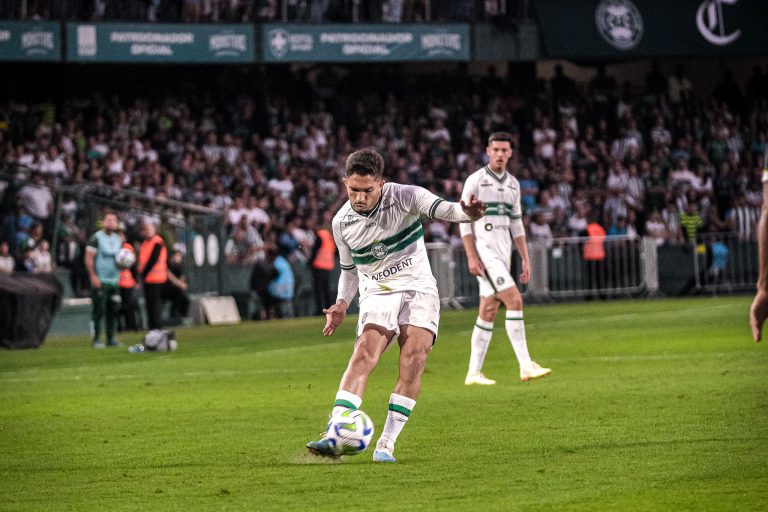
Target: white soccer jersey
(502, 197)
(386, 245)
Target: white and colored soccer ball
(125, 258)
(158, 340)
(350, 432)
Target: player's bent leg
(368, 350)
(365, 356)
(415, 345)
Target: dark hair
(501, 137)
(365, 162)
(110, 212)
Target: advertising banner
(142, 42)
(642, 28)
(30, 41)
(364, 43)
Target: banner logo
(711, 23)
(86, 40)
(278, 42)
(620, 23)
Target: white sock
(516, 332)
(481, 338)
(400, 408)
(345, 400)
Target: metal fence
(724, 263)
(558, 271)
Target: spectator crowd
(658, 159)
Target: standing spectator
(323, 261)
(594, 256)
(281, 286)
(539, 231)
(743, 218)
(656, 229)
(153, 269)
(100, 262)
(37, 200)
(691, 222)
(130, 315)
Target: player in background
(102, 269)
(382, 254)
(488, 244)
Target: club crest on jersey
(379, 251)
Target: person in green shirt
(100, 262)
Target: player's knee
(364, 358)
(416, 357)
(488, 312)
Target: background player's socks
(400, 408)
(481, 338)
(516, 332)
(345, 400)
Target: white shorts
(392, 310)
(496, 278)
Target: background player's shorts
(496, 279)
(394, 309)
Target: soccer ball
(350, 432)
(158, 340)
(125, 258)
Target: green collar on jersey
(496, 176)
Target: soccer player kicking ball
(489, 253)
(382, 253)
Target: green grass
(652, 405)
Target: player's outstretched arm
(474, 209)
(334, 315)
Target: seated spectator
(244, 245)
(7, 262)
(41, 258)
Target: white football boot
(478, 378)
(534, 371)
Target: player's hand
(334, 315)
(474, 209)
(95, 282)
(525, 275)
(475, 266)
(758, 313)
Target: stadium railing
(724, 263)
(558, 271)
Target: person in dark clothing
(323, 261)
(153, 269)
(175, 289)
(262, 274)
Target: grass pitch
(652, 405)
